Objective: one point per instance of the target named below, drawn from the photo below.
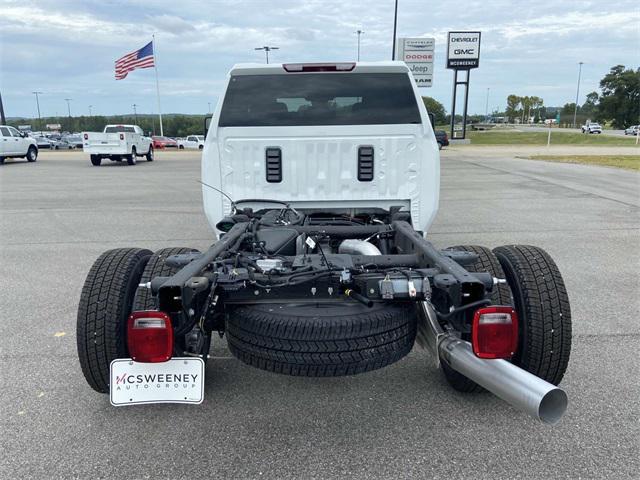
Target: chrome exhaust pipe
(521, 389)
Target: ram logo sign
(463, 50)
(417, 53)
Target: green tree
(620, 99)
(513, 103)
(435, 107)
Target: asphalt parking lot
(58, 214)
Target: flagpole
(155, 67)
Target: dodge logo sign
(463, 50)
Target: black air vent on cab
(274, 164)
(365, 164)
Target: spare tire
(321, 340)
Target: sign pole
(466, 102)
(453, 104)
(155, 67)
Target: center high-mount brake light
(150, 336)
(319, 67)
(495, 332)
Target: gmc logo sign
(464, 51)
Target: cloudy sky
(67, 49)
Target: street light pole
(38, 105)
(135, 113)
(209, 103)
(3, 121)
(359, 32)
(90, 109)
(267, 49)
(395, 27)
(486, 107)
(68, 105)
(575, 110)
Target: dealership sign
(417, 53)
(463, 50)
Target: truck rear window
(319, 99)
(119, 128)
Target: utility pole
(38, 105)
(395, 27)
(3, 121)
(359, 32)
(68, 105)
(486, 107)
(135, 113)
(575, 110)
(267, 49)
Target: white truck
(117, 143)
(15, 144)
(591, 127)
(192, 142)
(324, 179)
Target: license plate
(179, 380)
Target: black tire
(149, 154)
(131, 159)
(96, 160)
(200, 147)
(544, 314)
(181, 147)
(501, 295)
(156, 267)
(321, 340)
(1, 160)
(32, 154)
(105, 305)
(439, 145)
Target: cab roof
(314, 67)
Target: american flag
(142, 58)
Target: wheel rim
(32, 154)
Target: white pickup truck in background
(591, 127)
(14, 143)
(117, 143)
(195, 142)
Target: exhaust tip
(553, 406)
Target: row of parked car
(194, 142)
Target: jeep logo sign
(417, 53)
(463, 50)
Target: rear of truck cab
(346, 137)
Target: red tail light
(319, 67)
(122, 136)
(495, 332)
(150, 336)
(86, 136)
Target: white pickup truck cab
(327, 176)
(348, 138)
(15, 144)
(117, 143)
(193, 142)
